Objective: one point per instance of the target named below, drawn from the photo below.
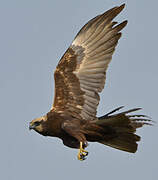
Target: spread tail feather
(124, 127)
(124, 142)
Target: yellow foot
(82, 153)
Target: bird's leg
(73, 129)
(82, 153)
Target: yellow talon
(82, 153)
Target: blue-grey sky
(34, 34)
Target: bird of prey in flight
(79, 78)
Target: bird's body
(79, 78)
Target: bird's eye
(37, 123)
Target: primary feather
(81, 72)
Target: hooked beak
(31, 127)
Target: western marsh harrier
(79, 78)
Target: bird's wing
(81, 72)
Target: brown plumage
(79, 77)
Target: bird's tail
(123, 127)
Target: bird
(79, 78)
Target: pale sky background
(34, 34)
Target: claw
(82, 153)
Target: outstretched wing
(81, 72)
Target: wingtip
(122, 6)
(125, 22)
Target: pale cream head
(37, 124)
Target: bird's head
(37, 124)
